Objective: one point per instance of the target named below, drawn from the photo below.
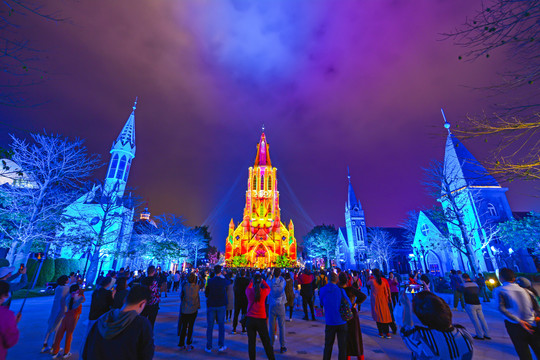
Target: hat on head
(8, 270)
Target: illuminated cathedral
(261, 240)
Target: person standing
(473, 308)
(230, 299)
(289, 293)
(456, 281)
(241, 283)
(57, 310)
(276, 305)
(121, 293)
(5, 275)
(481, 282)
(256, 292)
(9, 333)
(331, 296)
(520, 315)
(102, 301)
(355, 344)
(216, 303)
(305, 280)
(72, 312)
(176, 279)
(122, 333)
(151, 281)
(189, 308)
(380, 298)
(394, 288)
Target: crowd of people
(125, 304)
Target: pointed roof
(352, 199)
(126, 139)
(462, 168)
(263, 152)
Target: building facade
(352, 238)
(477, 203)
(105, 213)
(261, 240)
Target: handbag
(345, 308)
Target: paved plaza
(305, 340)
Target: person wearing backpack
(331, 297)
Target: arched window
(254, 183)
(269, 183)
(262, 182)
(425, 229)
(492, 210)
(359, 235)
(121, 167)
(126, 173)
(112, 169)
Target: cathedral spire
(353, 200)
(126, 139)
(263, 153)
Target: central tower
(261, 240)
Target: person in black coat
(241, 283)
(122, 333)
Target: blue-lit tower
(122, 154)
(356, 228)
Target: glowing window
(425, 230)
(262, 182)
(128, 166)
(269, 183)
(492, 210)
(112, 169)
(121, 167)
(254, 182)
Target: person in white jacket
(57, 310)
(276, 306)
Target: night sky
(336, 83)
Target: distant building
(105, 210)
(484, 205)
(352, 238)
(261, 237)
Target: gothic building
(482, 204)
(105, 212)
(353, 237)
(261, 238)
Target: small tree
(199, 239)
(321, 241)
(382, 247)
(51, 171)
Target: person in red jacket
(9, 334)
(256, 292)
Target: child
(297, 298)
(73, 310)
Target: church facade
(352, 238)
(261, 240)
(482, 204)
(105, 213)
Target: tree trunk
(94, 263)
(21, 254)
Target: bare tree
(508, 27)
(19, 59)
(54, 170)
(382, 247)
(447, 187)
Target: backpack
(345, 307)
